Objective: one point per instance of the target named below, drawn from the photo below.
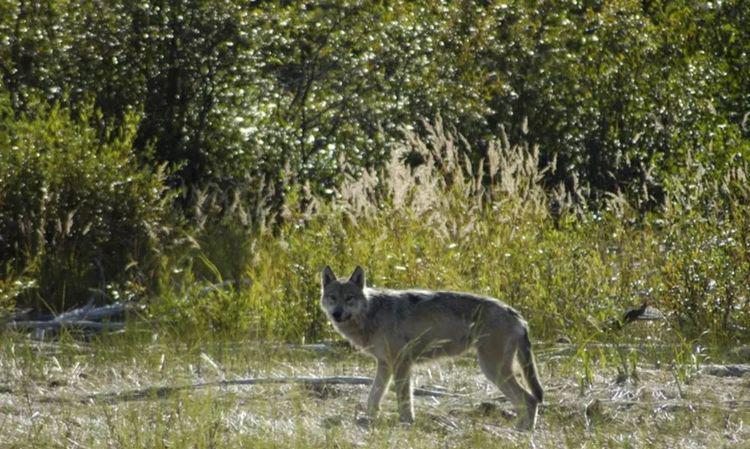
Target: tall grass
(435, 218)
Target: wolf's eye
(349, 299)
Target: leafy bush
(195, 305)
(437, 226)
(616, 93)
(705, 276)
(78, 212)
(707, 251)
(294, 132)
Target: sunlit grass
(59, 395)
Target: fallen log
(161, 392)
(87, 318)
(739, 370)
(67, 324)
(15, 315)
(90, 313)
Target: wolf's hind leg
(379, 387)
(404, 391)
(497, 366)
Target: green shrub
(285, 123)
(77, 211)
(193, 305)
(705, 276)
(436, 226)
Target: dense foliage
(77, 214)
(244, 125)
(617, 91)
(438, 227)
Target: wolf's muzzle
(338, 315)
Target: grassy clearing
(593, 400)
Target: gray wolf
(399, 328)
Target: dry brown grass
(45, 401)
(431, 175)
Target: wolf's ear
(358, 277)
(328, 276)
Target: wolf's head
(343, 300)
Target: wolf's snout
(337, 313)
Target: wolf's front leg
(379, 387)
(403, 391)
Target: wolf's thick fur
(399, 328)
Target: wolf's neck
(355, 332)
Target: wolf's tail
(529, 367)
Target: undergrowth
(486, 226)
(435, 217)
